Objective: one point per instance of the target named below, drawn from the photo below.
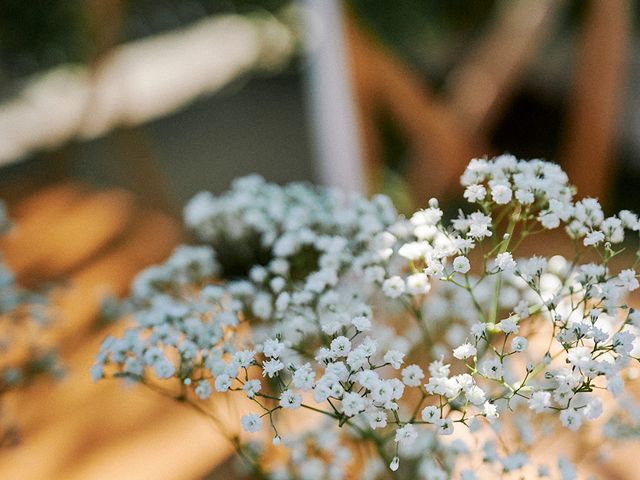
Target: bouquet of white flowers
(426, 349)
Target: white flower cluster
(314, 454)
(256, 223)
(24, 316)
(405, 333)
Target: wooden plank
(441, 144)
(588, 152)
(480, 88)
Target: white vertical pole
(331, 102)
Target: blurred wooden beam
(588, 152)
(481, 86)
(75, 233)
(441, 144)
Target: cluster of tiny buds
(397, 331)
(26, 354)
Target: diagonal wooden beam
(481, 86)
(441, 144)
(589, 145)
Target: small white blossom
(464, 351)
(593, 409)
(430, 414)
(508, 325)
(461, 264)
(581, 357)
(290, 400)
(479, 225)
(393, 287)
(271, 367)
(251, 423)
(445, 426)
(501, 194)
(475, 193)
(377, 418)
(519, 344)
(628, 280)
(571, 418)
(418, 284)
(273, 348)
(539, 401)
(394, 358)
(593, 238)
(222, 383)
(412, 375)
(490, 411)
(549, 220)
(353, 404)
(340, 346)
(475, 395)
(251, 387)
(203, 390)
(361, 323)
(492, 368)
(303, 377)
(406, 434)
(505, 262)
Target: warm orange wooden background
(77, 429)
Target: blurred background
(113, 113)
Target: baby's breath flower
(418, 284)
(628, 279)
(519, 344)
(251, 423)
(393, 287)
(475, 193)
(461, 264)
(303, 272)
(539, 401)
(290, 400)
(501, 194)
(222, 383)
(394, 358)
(251, 387)
(571, 418)
(505, 262)
(508, 325)
(464, 351)
(203, 390)
(430, 414)
(490, 411)
(271, 367)
(361, 323)
(593, 238)
(445, 426)
(412, 375)
(406, 434)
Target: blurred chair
(445, 130)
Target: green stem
(498, 285)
